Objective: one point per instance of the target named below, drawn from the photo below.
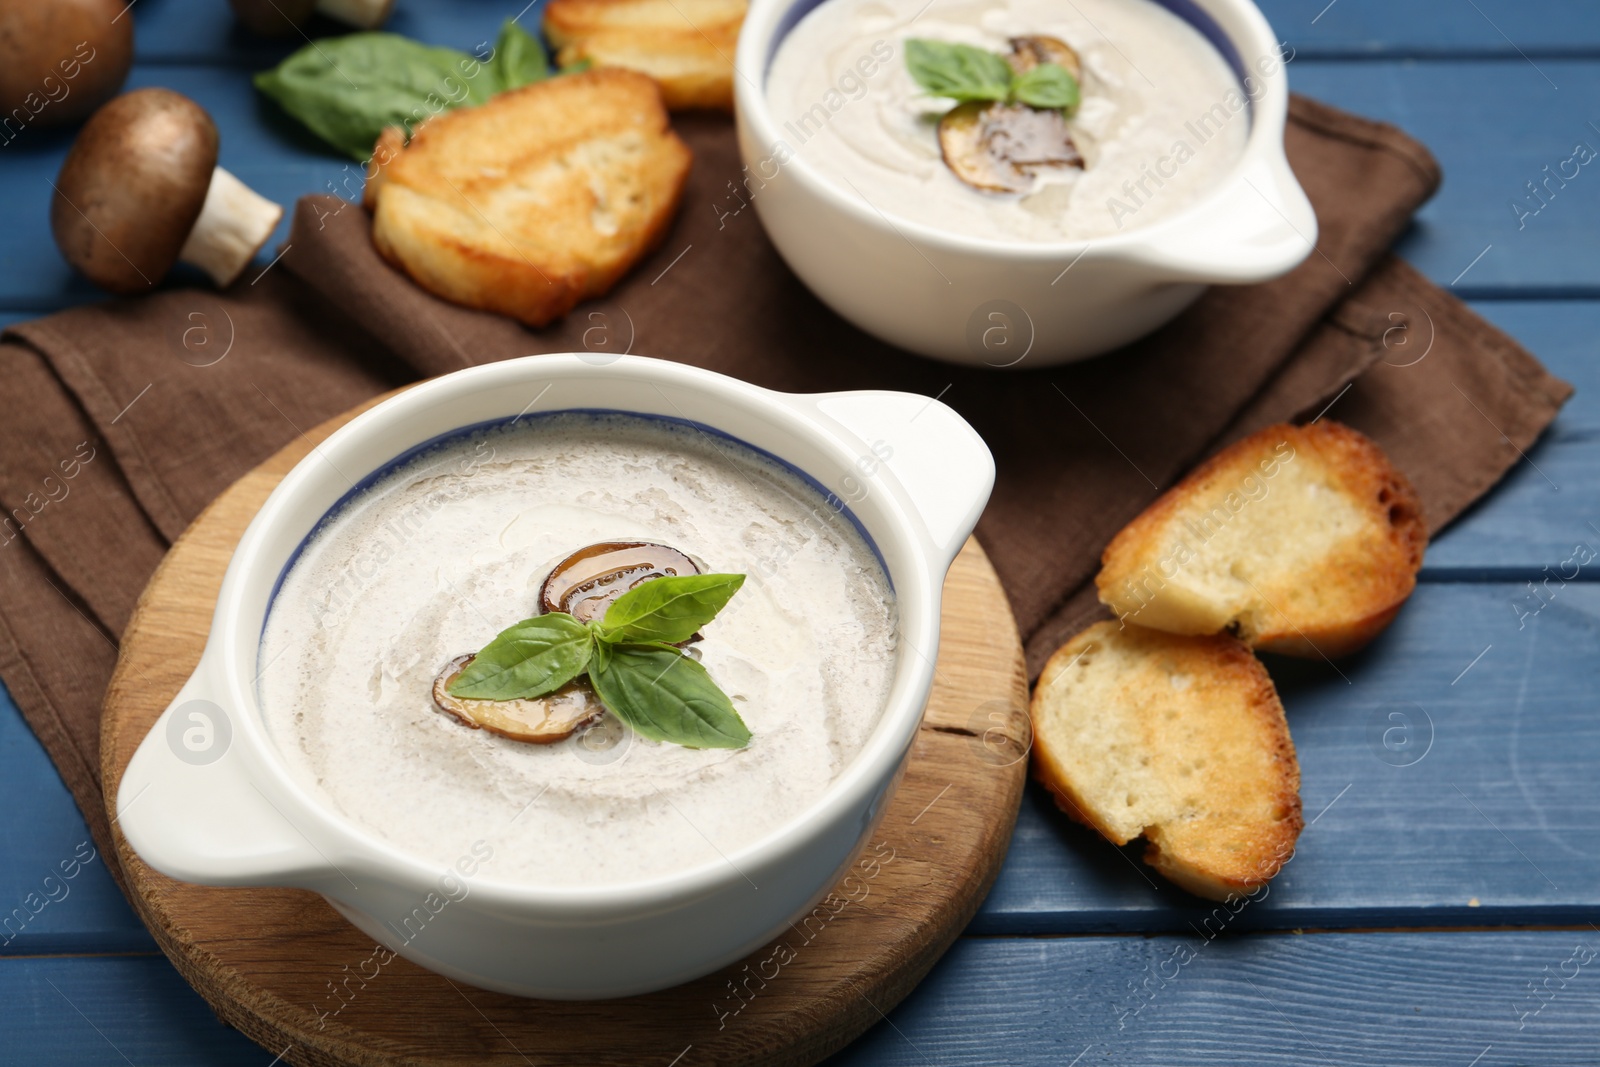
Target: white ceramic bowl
(1006, 303)
(207, 798)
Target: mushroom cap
(62, 59)
(132, 187)
(272, 18)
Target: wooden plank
(1546, 504)
(1499, 808)
(55, 892)
(1536, 28)
(1447, 779)
(197, 31)
(1525, 116)
(1524, 524)
(1398, 999)
(200, 32)
(112, 1010)
(1392, 999)
(1532, 126)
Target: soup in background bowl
(1184, 183)
(1161, 120)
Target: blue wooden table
(1442, 906)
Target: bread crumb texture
(1302, 540)
(1177, 739)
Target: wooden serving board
(284, 968)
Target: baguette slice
(686, 45)
(1180, 740)
(1303, 540)
(544, 196)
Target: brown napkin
(154, 405)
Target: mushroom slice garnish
(540, 720)
(1001, 148)
(1029, 52)
(585, 583)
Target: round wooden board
(284, 968)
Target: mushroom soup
(1145, 121)
(442, 552)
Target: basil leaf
(1047, 85)
(518, 58)
(668, 609)
(958, 71)
(666, 696)
(534, 657)
(346, 90)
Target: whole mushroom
(141, 190)
(281, 18)
(60, 60)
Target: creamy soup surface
(1163, 118)
(444, 552)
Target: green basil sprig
(348, 89)
(518, 58)
(630, 658)
(1048, 85)
(532, 658)
(666, 696)
(963, 73)
(958, 71)
(668, 610)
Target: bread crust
(1215, 853)
(1370, 595)
(542, 197)
(686, 45)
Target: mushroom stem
(233, 225)
(362, 14)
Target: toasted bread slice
(544, 196)
(1303, 540)
(1177, 739)
(686, 45)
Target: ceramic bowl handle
(1260, 228)
(189, 806)
(940, 462)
